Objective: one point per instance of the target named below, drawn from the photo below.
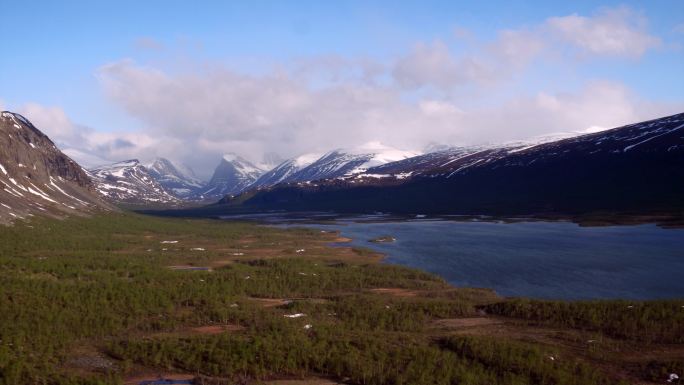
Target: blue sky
(102, 73)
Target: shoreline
(428, 256)
(306, 218)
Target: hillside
(36, 178)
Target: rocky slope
(36, 178)
(130, 182)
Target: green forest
(102, 300)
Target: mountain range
(165, 182)
(635, 168)
(131, 182)
(638, 167)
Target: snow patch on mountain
(178, 179)
(130, 182)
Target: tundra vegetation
(111, 299)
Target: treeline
(364, 358)
(649, 321)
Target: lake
(537, 259)
(552, 260)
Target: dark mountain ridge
(638, 168)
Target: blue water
(554, 260)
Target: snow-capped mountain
(438, 161)
(36, 178)
(232, 176)
(130, 182)
(340, 163)
(284, 171)
(638, 168)
(446, 160)
(178, 180)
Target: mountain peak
(232, 176)
(175, 178)
(128, 163)
(232, 157)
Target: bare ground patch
(198, 330)
(395, 291)
(270, 302)
(459, 323)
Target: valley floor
(122, 298)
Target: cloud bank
(433, 93)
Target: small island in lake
(383, 239)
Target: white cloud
(434, 93)
(438, 108)
(433, 64)
(617, 32)
(613, 31)
(199, 117)
(53, 121)
(85, 145)
(514, 49)
(223, 111)
(195, 119)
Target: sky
(111, 81)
